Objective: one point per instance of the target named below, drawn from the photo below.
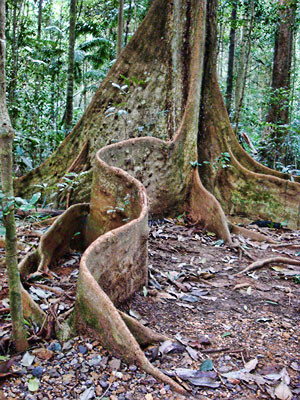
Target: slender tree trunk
(120, 27)
(6, 141)
(14, 63)
(244, 81)
(241, 67)
(230, 70)
(70, 88)
(278, 115)
(128, 22)
(40, 19)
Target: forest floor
(231, 336)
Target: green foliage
(258, 94)
(37, 67)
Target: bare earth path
(237, 336)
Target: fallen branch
(268, 261)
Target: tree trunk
(128, 22)
(278, 115)
(230, 70)
(40, 14)
(241, 67)
(243, 71)
(68, 118)
(169, 67)
(120, 27)
(14, 63)
(6, 142)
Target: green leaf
(33, 384)
(225, 334)
(207, 365)
(34, 199)
(145, 291)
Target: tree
(164, 76)
(242, 70)
(120, 27)
(68, 118)
(40, 15)
(278, 115)
(231, 56)
(6, 141)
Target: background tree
(120, 27)
(279, 113)
(6, 142)
(231, 56)
(68, 118)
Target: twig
(48, 288)
(261, 263)
(207, 282)
(221, 350)
(101, 397)
(290, 245)
(66, 314)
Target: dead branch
(268, 261)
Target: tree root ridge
(268, 261)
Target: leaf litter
(246, 324)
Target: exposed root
(31, 309)
(148, 367)
(268, 261)
(142, 334)
(259, 237)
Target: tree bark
(6, 141)
(68, 118)
(231, 55)
(120, 27)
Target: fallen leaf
(27, 360)
(251, 365)
(285, 376)
(115, 364)
(198, 378)
(43, 354)
(295, 366)
(168, 346)
(192, 353)
(33, 384)
(88, 394)
(283, 392)
(207, 365)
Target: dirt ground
(231, 336)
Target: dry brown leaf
(43, 354)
